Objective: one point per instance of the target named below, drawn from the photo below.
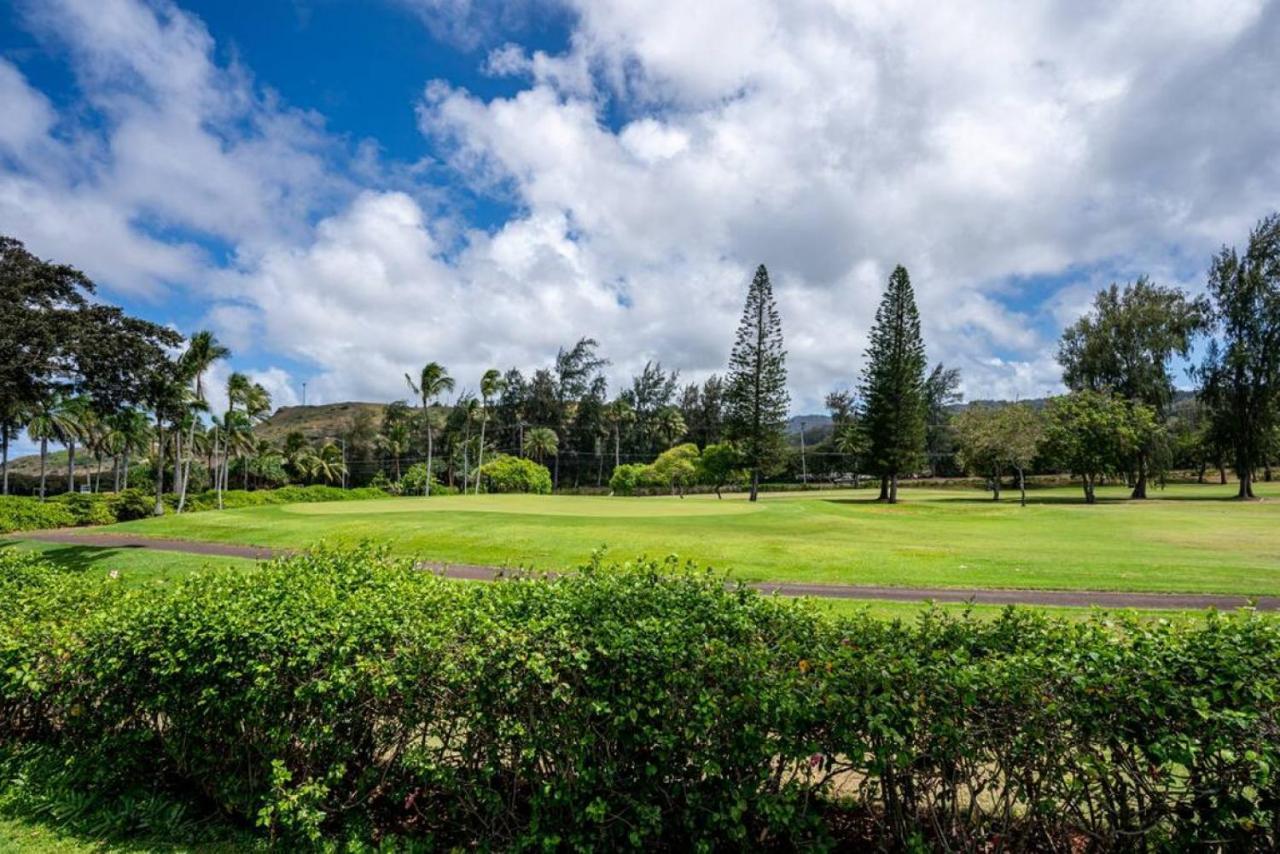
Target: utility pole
(304, 393)
(804, 468)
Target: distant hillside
(327, 420)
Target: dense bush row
(22, 513)
(641, 706)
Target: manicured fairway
(1191, 538)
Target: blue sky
(343, 191)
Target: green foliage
(755, 395)
(640, 706)
(719, 465)
(515, 474)
(676, 468)
(87, 508)
(131, 504)
(21, 513)
(1095, 434)
(413, 482)
(627, 478)
(1241, 373)
(893, 385)
(994, 440)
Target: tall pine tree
(755, 396)
(893, 387)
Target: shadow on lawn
(73, 557)
(1011, 497)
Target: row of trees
(87, 376)
(124, 391)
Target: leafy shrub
(515, 474)
(644, 706)
(130, 504)
(627, 478)
(21, 513)
(88, 508)
(675, 468)
(414, 479)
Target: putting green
(534, 505)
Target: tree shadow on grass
(1010, 497)
(75, 558)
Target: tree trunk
(617, 447)
(97, 475)
(1200, 473)
(755, 484)
(426, 484)
(555, 477)
(480, 454)
(1246, 485)
(995, 488)
(1222, 475)
(1140, 487)
(217, 477)
(884, 488)
(1089, 497)
(1266, 471)
(159, 466)
(186, 465)
(126, 469)
(4, 461)
(893, 488)
(1022, 487)
(71, 466)
(44, 456)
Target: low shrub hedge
(20, 513)
(342, 694)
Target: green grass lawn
(133, 566)
(1189, 538)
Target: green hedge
(20, 513)
(346, 694)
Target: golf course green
(1188, 538)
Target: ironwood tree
(755, 397)
(893, 387)
(1240, 377)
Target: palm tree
(542, 442)
(80, 418)
(12, 418)
(669, 425)
(394, 441)
(618, 413)
(326, 463)
(202, 351)
(56, 419)
(128, 432)
(470, 411)
(434, 381)
(257, 406)
(490, 384)
(238, 386)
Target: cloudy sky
(346, 190)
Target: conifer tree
(756, 392)
(893, 387)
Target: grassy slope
(1190, 539)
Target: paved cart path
(471, 572)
